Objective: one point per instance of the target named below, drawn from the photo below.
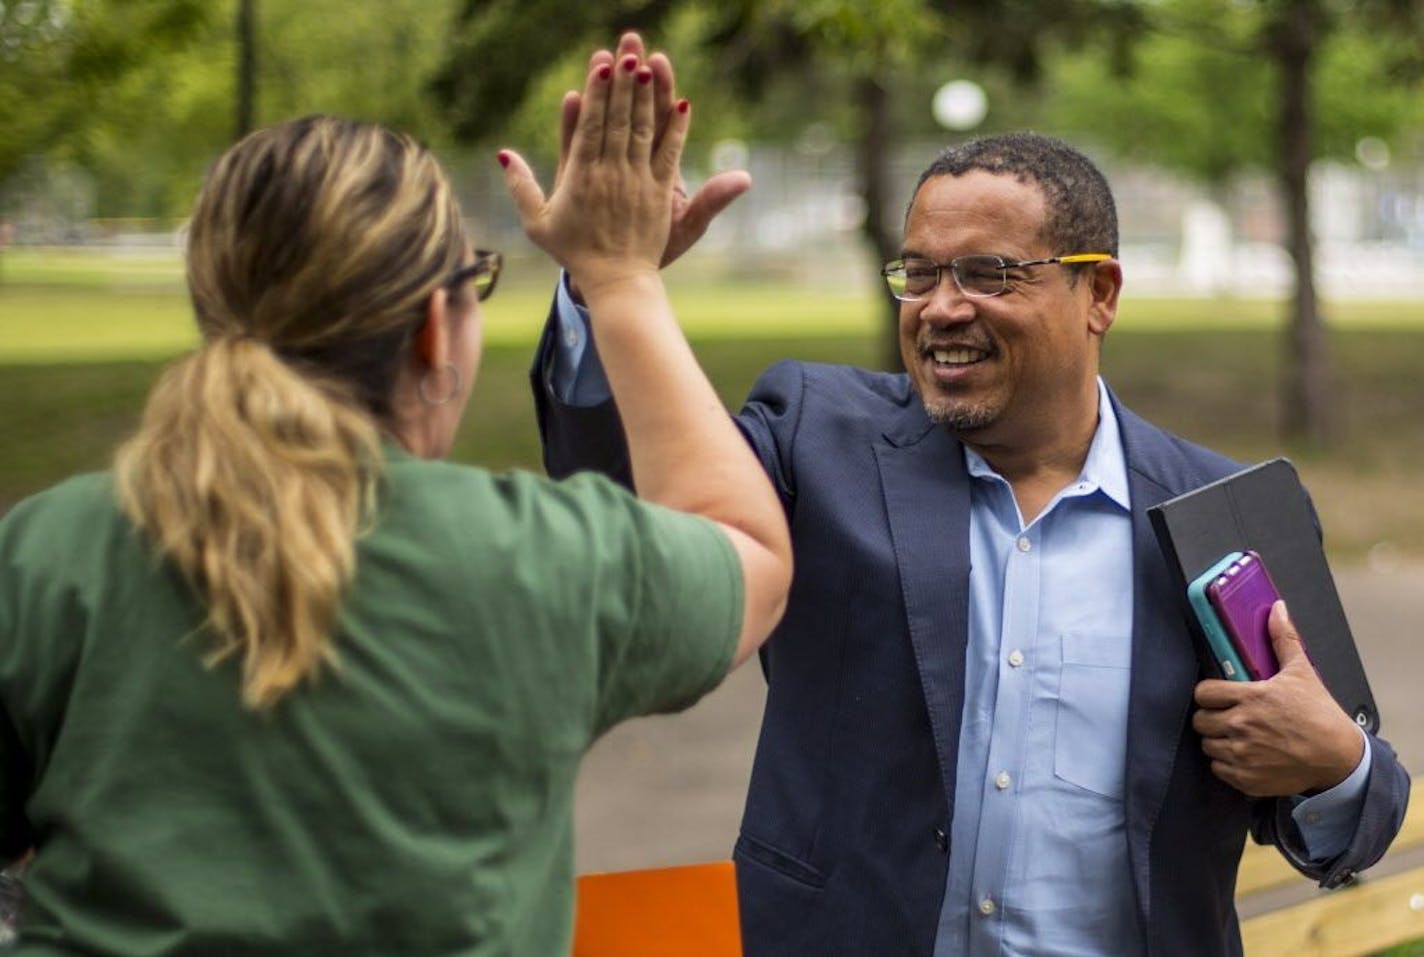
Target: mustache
(928, 341)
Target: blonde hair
(313, 250)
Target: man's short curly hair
(1081, 217)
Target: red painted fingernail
(682, 106)
(645, 76)
(630, 63)
(503, 158)
(604, 72)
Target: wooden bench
(1284, 915)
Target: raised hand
(610, 212)
(1285, 735)
(691, 215)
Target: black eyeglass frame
(957, 264)
(487, 263)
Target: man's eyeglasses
(484, 272)
(976, 276)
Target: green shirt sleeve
(667, 607)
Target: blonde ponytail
(254, 482)
(313, 251)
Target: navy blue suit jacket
(844, 839)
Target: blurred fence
(801, 223)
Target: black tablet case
(1265, 508)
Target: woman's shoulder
(74, 505)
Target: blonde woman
(283, 681)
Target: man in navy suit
(986, 731)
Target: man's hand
(691, 215)
(1285, 735)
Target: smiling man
(986, 731)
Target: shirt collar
(1105, 467)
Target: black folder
(1265, 508)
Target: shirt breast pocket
(1090, 733)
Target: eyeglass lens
(483, 273)
(974, 275)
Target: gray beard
(960, 418)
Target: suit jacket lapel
(926, 493)
(1165, 667)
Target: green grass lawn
(97, 305)
(82, 337)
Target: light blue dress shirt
(1040, 863)
(574, 380)
(1040, 850)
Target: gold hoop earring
(421, 386)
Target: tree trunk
(883, 237)
(245, 115)
(1305, 413)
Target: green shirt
(418, 798)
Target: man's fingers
(568, 123)
(589, 133)
(620, 108)
(523, 187)
(1218, 693)
(640, 142)
(664, 92)
(716, 195)
(630, 44)
(667, 159)
(1285, 640)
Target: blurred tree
(867, 48)
(144, 134)
(246, 34)
(56, 56)
(1218, 86)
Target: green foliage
(764, 60)
(140, 93)
(1199, 92)
(58, 56)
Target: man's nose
(946, 302)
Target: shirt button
(1312, 817)
(1024, 544)
(1002, 780)
(1016, 658)
(986, 906)
(572, 338)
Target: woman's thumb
(523, 187)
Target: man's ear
(1104, 286)
(432, 339)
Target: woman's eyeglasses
(484, 272)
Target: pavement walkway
(669, 790)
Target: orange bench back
(688, 910)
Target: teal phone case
(1227, 660)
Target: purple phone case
(1242, 596)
